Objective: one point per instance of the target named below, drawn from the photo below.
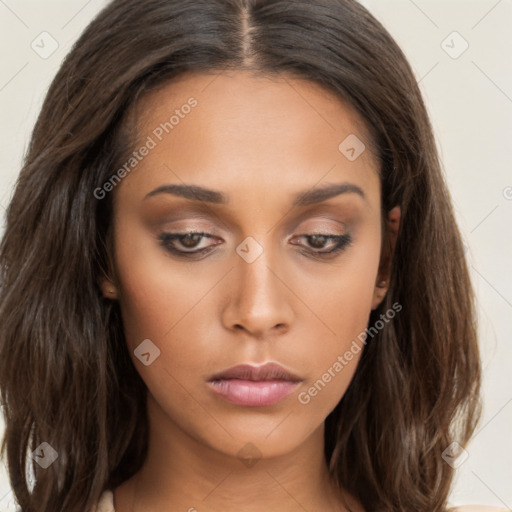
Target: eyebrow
(311, 196)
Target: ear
(106, 277)
(108, 288)
(392, 225)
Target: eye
(326, 244)
(188, 244)
(185, 244)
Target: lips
(254, 386)
(266, 372)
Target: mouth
(254, 386)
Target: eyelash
(167, 239)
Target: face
(274, 259)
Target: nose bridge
(259, 300)
(255, 268)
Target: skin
(261, 141)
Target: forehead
(234, 129)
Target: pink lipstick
(254, 386)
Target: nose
(259, 298)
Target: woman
(232, 279)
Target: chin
(263, 438)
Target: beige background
(470, 102)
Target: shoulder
(477, 508)
(106, 503)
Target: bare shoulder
(478, 508)
(106, 502)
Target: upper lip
(268, 371)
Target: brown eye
(190, 240)
(334, 243)
(318, 241)
(185, 243)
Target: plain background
(469, 97)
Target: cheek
(343, 295)
(155, 294)
(158, 302)
(168, 303)
(344, 306)
(347, 304)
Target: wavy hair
(66, 376)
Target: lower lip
(253, 393)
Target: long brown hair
(66, 377)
